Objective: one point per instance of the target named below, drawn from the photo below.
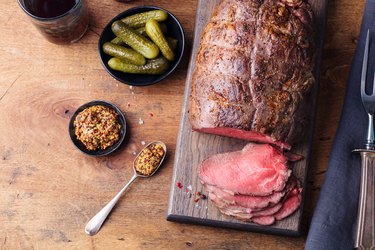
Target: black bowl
(175, 31)
(106, 151)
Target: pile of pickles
(140, 45)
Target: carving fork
(365, 233)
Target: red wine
(51, 8)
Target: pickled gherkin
(142, 30)
(117, 40)
(138, 42)
(156, 66)
(140, 19)
(124, 53)
(154, 32)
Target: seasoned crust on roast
(221, 60)
(254, 68)
(233, 11)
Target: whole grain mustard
(149, 159)
(97, 127)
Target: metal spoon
(94, 225)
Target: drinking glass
(61, 28)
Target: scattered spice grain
(189, 243)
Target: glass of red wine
(60, 21)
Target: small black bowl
(81, 146)
(175, 31)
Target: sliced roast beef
(248, 201)
(244, 135)
(253, 184)
(258, 169)
(289, 206)
(292, 190)
(268, 211)
(234, 209)
(269, 215)
(245, 214)
(264, 220)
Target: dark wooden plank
(193, 147)
(49, 190)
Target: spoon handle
(94, 225)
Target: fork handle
(365, 235)
(370, 141)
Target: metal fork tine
(364, 65)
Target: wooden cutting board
(193, 147)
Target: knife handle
(365, 235)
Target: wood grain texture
(49, 190)
(193, 148)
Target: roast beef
(258, 169)
(254, 184)
(243, 213)
(224, 198)
(264, 215)
(253, 71)
(249, 201)
(289, 206)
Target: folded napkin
(334, 220)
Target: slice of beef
(258, 169)
(253, 71)
(231, 209)
(268, 211)
(292, 156)
(289, 206)
(247, 213)
(248, 201)
(264, 220)
(245, 135)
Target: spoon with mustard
(145, 165)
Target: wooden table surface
(49, 190)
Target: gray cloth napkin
(334, 220)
